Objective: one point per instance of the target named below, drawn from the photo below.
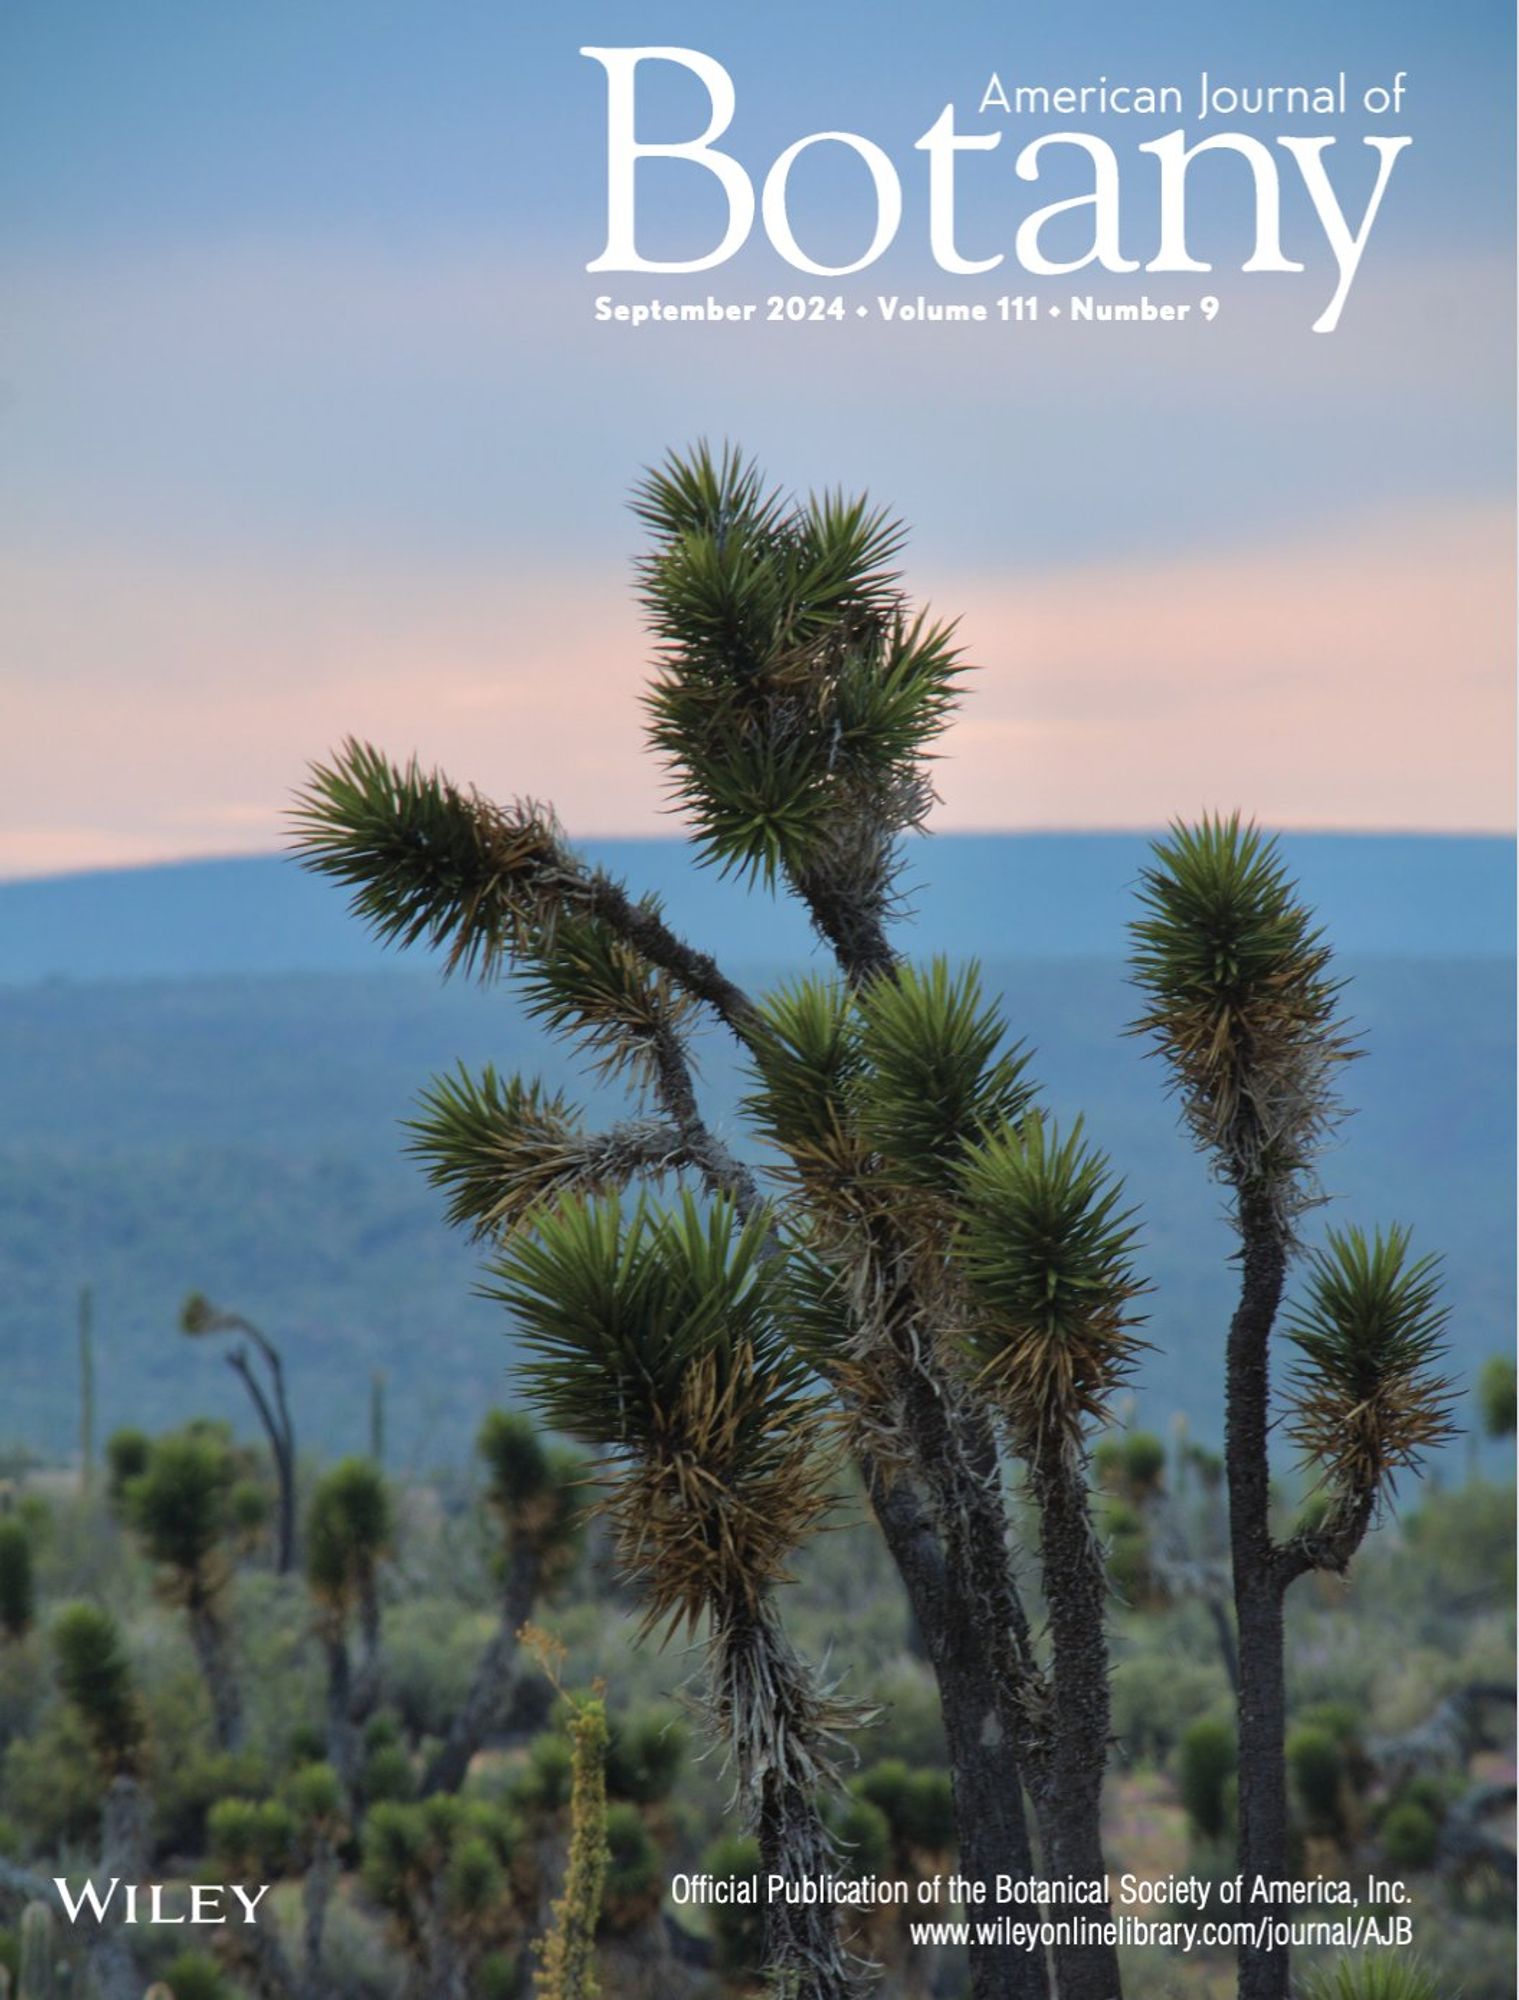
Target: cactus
(38, 1976)
(567, 1968)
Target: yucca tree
(964, 1271)
(797, 703)
(180, 1508)
(350, 1529)
(534, 1494)
(1240, 1001)
(199, 1319)
(658, 1339)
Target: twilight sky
(305, 427)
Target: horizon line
(1508, 835)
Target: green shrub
(928, 1812)
(645, 1755)
(1206, 1761)
(634, 1881)
(93, 1675)
(737, 1928)
(1496, 1389)
(1410, 1836)
(388, 1774)
(1384, 1977)
(18, 1585)
(192, 1976)
(126, 1458)
(1317, 1771)
(864, 1836)
(186, 1788)
(1156, 1696)
(544, 1785)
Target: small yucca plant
(1383, 1976)
(1366, 1397)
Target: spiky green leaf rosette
(1241, 1004)
(1047, 1249)
(502, 1148)
(797, 691)
(657, 1336)
(1367, 1398)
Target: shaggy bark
(342, 1738)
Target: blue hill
(992, 896)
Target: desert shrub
(863, 1833)
(95, 1678)
(909, 1726)
(254, 1835)
(388, 1774)
(1317, 1771)
(192, 1976)
(634, 1881)
(645, 1755)
(544, 1783)
(18, 1583)
(1496, 1391)
(187, 1787)
(52, 1784)
(126, 1458)
(1207, 1759)
(736, 1927)
(1464, 1540)
(1382, 1977)
(1410, 1836)
(1156, 1696)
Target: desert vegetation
(818, 1540)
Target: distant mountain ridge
(993, 896)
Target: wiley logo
(143, 1902)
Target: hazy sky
(305, 426)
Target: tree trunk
(1258, 1587)
(984, 1769)
(342, 1739)
(1070, 1784)
(209, 1637)
(485, 1706)
(321, 1878)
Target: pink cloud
(1363, 679)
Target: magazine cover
(757, 1001)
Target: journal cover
(756, 1002)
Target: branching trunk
(485, 1705)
